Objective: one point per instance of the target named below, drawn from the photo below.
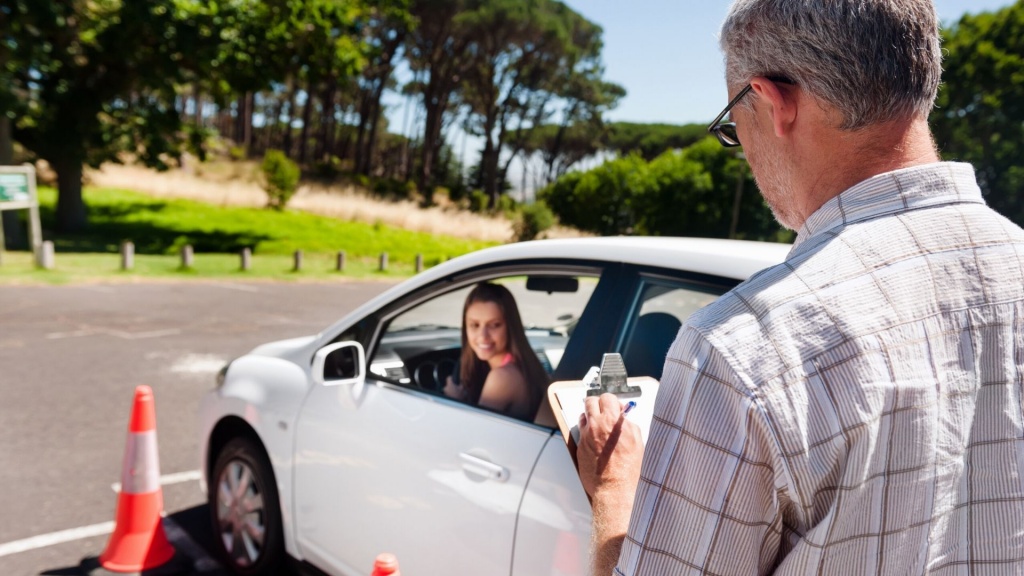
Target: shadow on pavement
(194, 523)
(194, 552)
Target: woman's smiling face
(486, 332)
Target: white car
(333, 448)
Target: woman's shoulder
(509, 373)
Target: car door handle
(482, 467)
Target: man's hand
(609, 455)
(610, 448)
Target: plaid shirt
(856, 409)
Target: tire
(245, 513)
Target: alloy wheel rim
(240, 513)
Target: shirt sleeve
(707, 498)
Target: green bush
(281, 176)
(532, 220)
(238, 153)
(507, 206)
(394, 189)
(330, 168)
(478, 201)
(690, 192)
(603, 199)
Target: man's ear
(782, 103)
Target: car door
(390, 464)
(638, 315)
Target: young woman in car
(498, 370)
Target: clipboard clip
(612, 378)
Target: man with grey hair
(858, 408)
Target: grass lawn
(160, 227)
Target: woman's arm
(503, 388)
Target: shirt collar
(923, 186)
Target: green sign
(14, 188)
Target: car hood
(283, 348)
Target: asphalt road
(70, 358)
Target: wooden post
(383, 261)
(46, 257)
(127, 255)
(341, 261)
(298, 261)
(246, 259)
(419, 263)
(187, 256)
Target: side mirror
(339, 363)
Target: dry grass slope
(237, 187)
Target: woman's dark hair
(473, 371)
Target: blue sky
(665, 53)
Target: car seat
(649, 342)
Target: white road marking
(75, 334)
(90, 331)
(178, 537)
(198, 364)
(168, 479)
(144, 335)
(52, 538)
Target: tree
(524, 59)
(561, 147)
(979, 117)
(387, 29)
(584, 96)
(435, 51)
(652, 140)
(88, 80)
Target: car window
(662, 307)
(420, 346)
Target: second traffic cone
(138, 542)
(385, 565)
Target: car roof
(736, 259)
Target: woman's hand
(453, 390)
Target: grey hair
(874, 61)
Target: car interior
(420, 344)
(420, 347)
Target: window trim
(642, 276)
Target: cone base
(137, 552)
(138, 542)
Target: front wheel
(244, 510)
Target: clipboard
(567, 398)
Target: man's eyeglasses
(726, 131)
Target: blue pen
(629, 406)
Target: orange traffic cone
(138, 542)
(385, 565)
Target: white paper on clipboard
(568, 398)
